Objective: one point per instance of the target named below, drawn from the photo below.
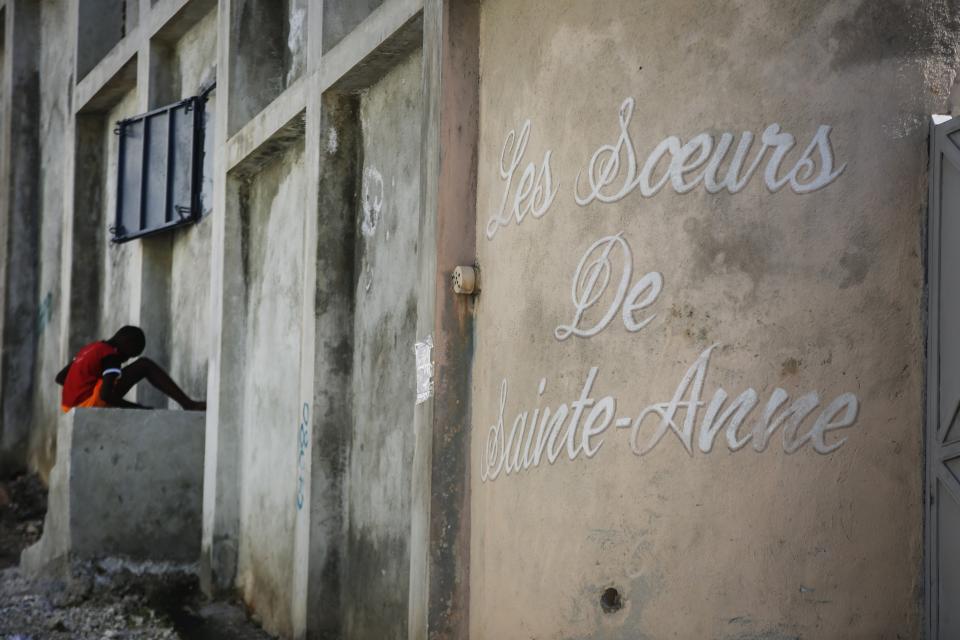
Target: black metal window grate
(160, 169)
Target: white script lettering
(688, 398)
(499, 453)
(579, 427)
(591, 280)
(699, 161)
(535, 191)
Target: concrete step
(127, 483)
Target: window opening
(160, 169)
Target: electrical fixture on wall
(466, 280)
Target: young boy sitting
(96, 377)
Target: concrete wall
(195, 59)
(272, 269)
(806, 292)
(119, 278)
(380, 452)
(769, 288)
(160, 282)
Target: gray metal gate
(943, 384)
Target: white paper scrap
(423, 351)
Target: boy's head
(129, 341)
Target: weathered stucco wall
(272, 270)
(118, 279)
(195, 57)
(195, 62)
(375, 578)
(55, 74)
(807, 279)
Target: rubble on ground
(23, 503)
(104, 599)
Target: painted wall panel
(644, 290)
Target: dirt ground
(23, 503)
(105, 599)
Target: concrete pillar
(302, 548)
(332, 407)
(19, 225)
(221, 486)
(70, 281)
(440, 531)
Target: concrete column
(440, 532)
(221, 486)
(19, 226)
(80, 134)
(333, 380)
(301, 543)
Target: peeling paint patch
(372, 200)
(333, 141)
(790, 366)
(45, 313)
(903, 125)
(295, 43)
(423, 351)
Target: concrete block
(127, 483)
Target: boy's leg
(146, 369)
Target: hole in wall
(611, 600)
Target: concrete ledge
(269, 132)
(127, 483)
(168, 20)
(114, 76)
(392, 30)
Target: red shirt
(86, 370)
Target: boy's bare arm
(62, 376)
